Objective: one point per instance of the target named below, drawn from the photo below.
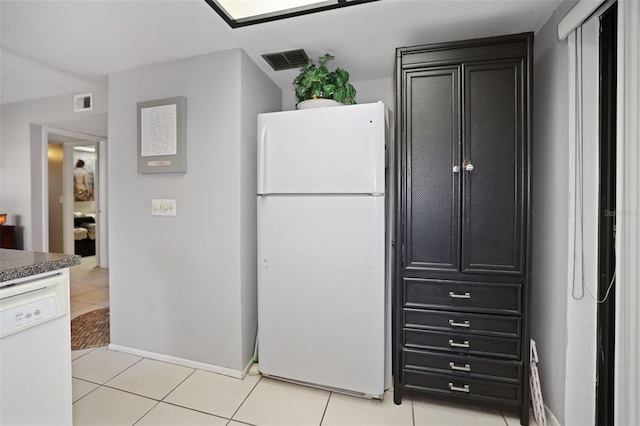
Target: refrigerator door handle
(262, 144)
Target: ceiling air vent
(286, 60)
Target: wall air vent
(286, 60)
(83, 102)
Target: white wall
(177, 282)
(550, 203)
(564, 313)
(366, 91)
(583, 235)
(16, 160)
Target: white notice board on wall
(162, 136)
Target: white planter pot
(318, 103)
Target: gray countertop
(16, 264)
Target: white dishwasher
(35, 351)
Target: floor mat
(90, 330)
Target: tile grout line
(85, 280)
(173, 404)
(100, 385)
(85, 380)
(131, 393)
(86, 307)
(325, 408)
(413, 413)
(83, 396)
(245, 398)
(84, 292)
(108, 380)
(75, 299)
(92, 349)
(240, 422)
(137, 394)
(145, 396)
(77, 296)
(176, 386)
(141, 417)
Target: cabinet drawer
(462, 387)
(462, 296)
(463, 366)
(492, 325)
(462, 343)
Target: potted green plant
(317, 82)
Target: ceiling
(56, 47)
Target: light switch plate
(163, 207)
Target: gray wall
(550, 210)
(16, 159)
(178, 283)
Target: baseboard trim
(184, 362)
(246, 369)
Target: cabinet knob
(468, 167)
(456, 169)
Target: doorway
(73, 195)
(40, 189)
(76, 191)
(606, 218)
(84, 190)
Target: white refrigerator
(321, 248)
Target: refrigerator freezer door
(336, 150)
(321, 290)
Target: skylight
(239, 13)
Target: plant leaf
(320, 82)
(351, 91)
(325, 58)
(328, 90)
(307, 82)
(340, 94)
(344, 75)
(316, 89)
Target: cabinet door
(431, 187)
(492, 227)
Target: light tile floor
(89, 287)
(121, 389)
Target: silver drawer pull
(466, 295)
(457, 388)
(453, 344)
(465, 367)
(453, 323)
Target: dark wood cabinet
(7, 236)
(461, 328)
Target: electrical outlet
(163, 207)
